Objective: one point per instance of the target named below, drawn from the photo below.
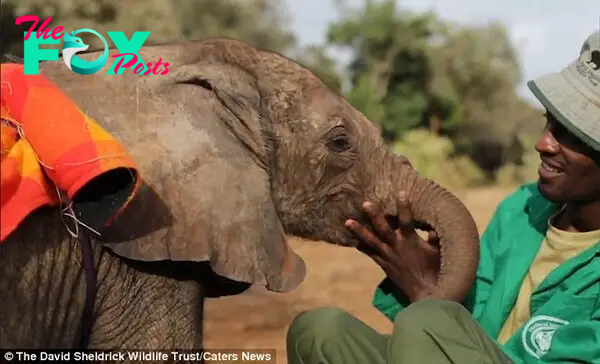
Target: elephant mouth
(394, 223)
(391, 220)
(353, 241)
(422, 229)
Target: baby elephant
(238, 147)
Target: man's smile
(549, 169)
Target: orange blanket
(50, 149)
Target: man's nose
(547, 143)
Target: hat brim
(569, 106)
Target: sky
(548, 34)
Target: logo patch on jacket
(538, 332)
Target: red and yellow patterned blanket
(50, 148)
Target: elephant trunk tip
(456, 278)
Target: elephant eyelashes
(338, 141)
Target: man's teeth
(547, 167)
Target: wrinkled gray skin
(238, 147)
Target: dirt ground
(336, 276)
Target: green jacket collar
(539, 211)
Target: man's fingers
(405, 217)
(368, 238)
(380, 224)
(384, 264)
(367, 249)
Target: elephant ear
(207, 193)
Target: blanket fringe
(66, 205)
(68, 211)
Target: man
(536, 298)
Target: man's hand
(410, 262)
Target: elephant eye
(338, 140)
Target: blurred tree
(262, 23)
(71, 14)
(412, 71)
(481, 65)
(391, 70)
(315, 58)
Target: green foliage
(390, 72)
(262, 23)
(411, 71)
(523, 171)
(431, 156)
(315, 57)
(360, 97)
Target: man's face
(570, 170)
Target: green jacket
(567, 301)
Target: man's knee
(428, 313)
(317, 326)
(318, 335)
(331, 335)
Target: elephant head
(242, 147)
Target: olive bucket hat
(572, 95)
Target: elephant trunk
(448, 216)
